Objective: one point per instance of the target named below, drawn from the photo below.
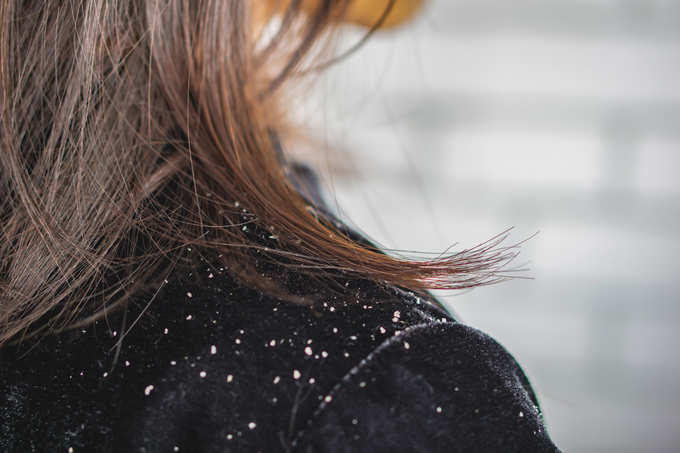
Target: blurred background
(557, 116)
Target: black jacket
(211, 366)
(206, 364)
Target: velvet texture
(212, 366)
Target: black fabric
(206, 365)
(211, 366)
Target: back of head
(131, 129)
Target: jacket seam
(329, 398)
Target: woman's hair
(132, 129)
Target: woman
(169, 282)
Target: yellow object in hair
(368, 12)
(361, 12)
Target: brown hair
(133, 128)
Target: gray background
(547, 115)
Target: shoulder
(205, 364)
(369, 369)
(434, 387)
